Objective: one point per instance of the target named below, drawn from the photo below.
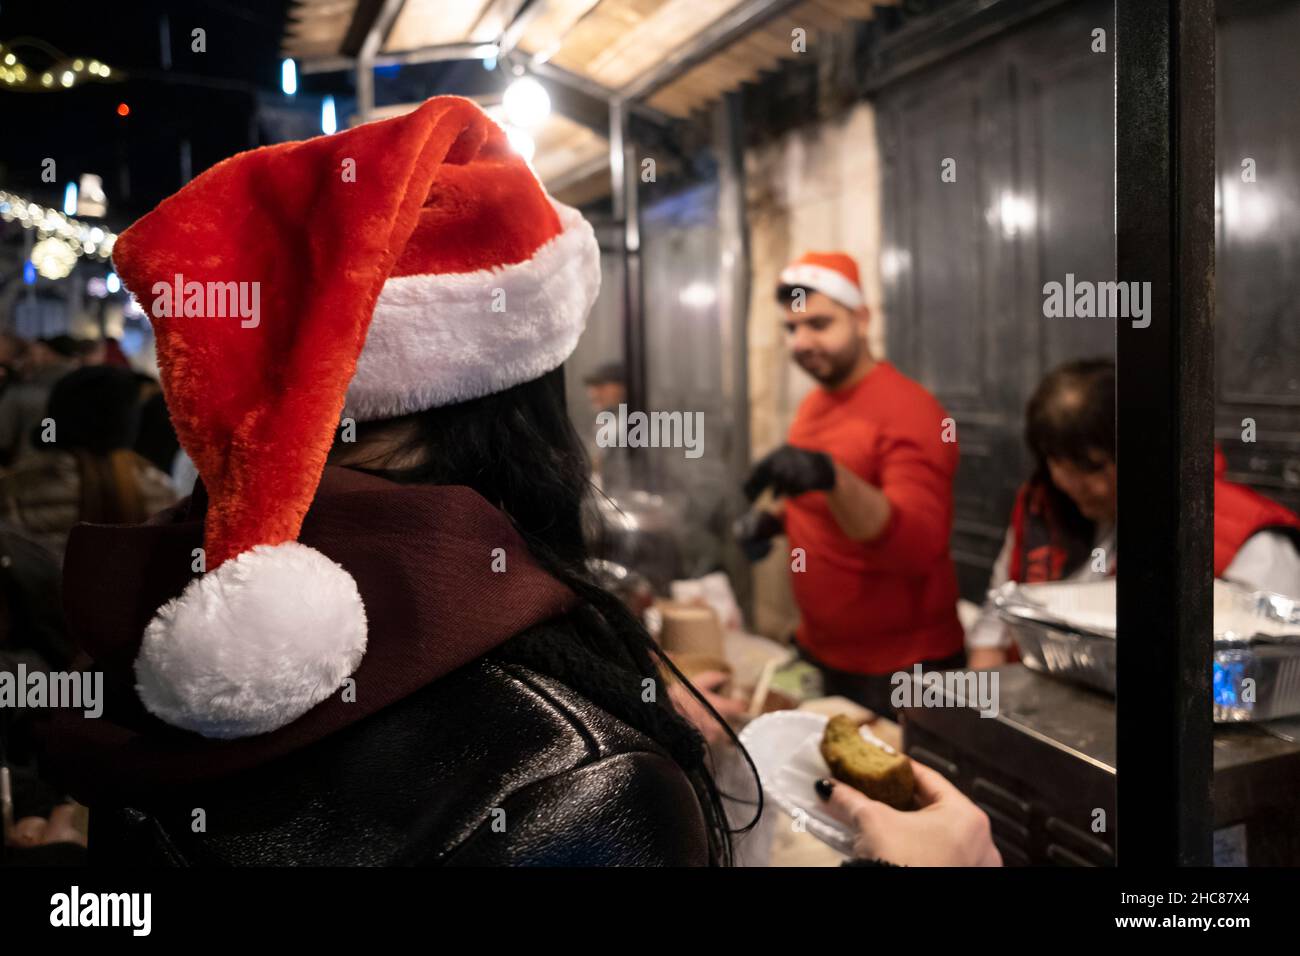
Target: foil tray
(1068, 630)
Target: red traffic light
(123, 109)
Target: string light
(79, 236)
(62, 74)
(54, 258)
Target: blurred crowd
(83, 437)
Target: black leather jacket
(452, 751)
(492, 764)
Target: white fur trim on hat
(437, 339)
(826, 281)
(254, 644)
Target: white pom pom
(254, 644)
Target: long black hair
(1070, 417)
(519, 450)
(98, 417)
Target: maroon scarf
(422, 557)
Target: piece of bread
(878, 773)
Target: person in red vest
(866, 478)
(1063, 521)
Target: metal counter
(1044, 771)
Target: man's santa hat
(834, 274)
(397, 266)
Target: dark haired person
(867, 480)
(1063, 522)
(369, 636)
(83, 468)
(22, 406)
(38, 821)
(606, 387)
(13, 354)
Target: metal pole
(164, 42)
(519, 24)
(617, 127)
(444, 52)
(733, 305)
(365, 87)
(1164, 204)
(634, 291)
(366, 57)
(627, 213)
(742, 19)
(733, 282)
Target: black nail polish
(823, 787)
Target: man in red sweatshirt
(866, 478)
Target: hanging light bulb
(526, 102)
(329, 122)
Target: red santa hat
(394, 267)
(834, 274)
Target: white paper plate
(786, 747)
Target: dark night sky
(206, 98)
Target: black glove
(791, 471)
(754, 533)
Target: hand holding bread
(874, 793)
(876, 772)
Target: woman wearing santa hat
(368, 637)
